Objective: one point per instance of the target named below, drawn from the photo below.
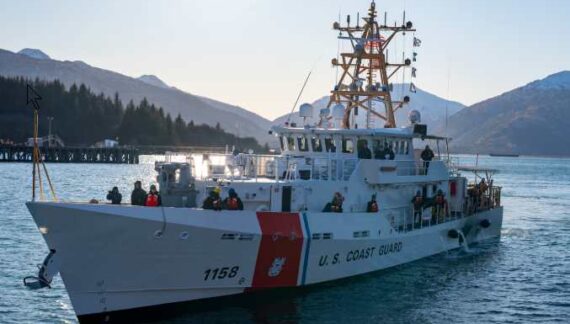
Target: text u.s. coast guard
(360, 254)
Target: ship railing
(476, 201)
(256, 166)
(407, 218)
(327, 168)
(452, 162)
(410, 219)
(232, 167)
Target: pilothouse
(304, 216)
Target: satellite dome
(338, 111)
(414, 117)
(306, 110)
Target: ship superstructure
(116, 258)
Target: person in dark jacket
(363, 151)
(233, 202)
(418, 202)
(138, 196)
(427, 156)
(372, 206)
(114, 196)
(213, 201)
(153, 198)
(335, 206)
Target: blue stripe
(307, 249)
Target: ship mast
(366, 74)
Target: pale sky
(256, 54)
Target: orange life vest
(419, 201)
(151, 200)
(233, 204)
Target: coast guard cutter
(115, 258)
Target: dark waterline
(525, 277)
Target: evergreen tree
(83, 118)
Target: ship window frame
(330, 144)
(291, 143)
(345, 140)
(378, 144)
(359, 143)
(316, 148)
(300, 147)
(282, 142)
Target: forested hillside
(532, 120)
(32, 64)
(82, 118)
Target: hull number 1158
(220, 273)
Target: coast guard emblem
(276, 267)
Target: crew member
(335, 206)
(482, 190)
(427, 155)
(372, 206)
(483, 185)
(213, 201)
(138, 196)
(153, 198)
(363, 151)
(439, 203)
(389, 151)
(380, 153)
(418, 202)
(232, 202)
(114, 196)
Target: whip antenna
(299, 96)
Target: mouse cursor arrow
(32, 97)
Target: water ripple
(524, 277)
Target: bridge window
(316, 143)
(282, 142)
(290, 143)
(406, 149)
(302, 143)
(378, 146)
(329, 144)
(347, 145)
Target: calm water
(523, 278)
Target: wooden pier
(119, 155)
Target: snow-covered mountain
(36, 64)
(34, 53)
(431, 107)
(153, 80)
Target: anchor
(46, 271)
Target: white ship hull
(116, 258)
